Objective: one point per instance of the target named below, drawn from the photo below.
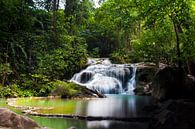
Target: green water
(50, 106)
(122, 106)
(61, 123)
(3, 104)
(114, 106)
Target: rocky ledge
(144, 74)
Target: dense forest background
(44, 41)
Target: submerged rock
(11, 120)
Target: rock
(171, 82)
(145, 72)
(72, 90)
(11, 120)
(168, 83)
(174, 114)
(191, 67)
(144, 75)
(190, 87)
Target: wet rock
(191, 67)
(11, 120)
(173, 83)
(86, 76)
(144, 75)
(168, 83)
(190, 86)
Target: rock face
(11, 120)
(144, 74)
(171, 82)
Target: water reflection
(61, 123)
(120, 106)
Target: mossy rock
(72, 90)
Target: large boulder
(11, 120)
(172, 82)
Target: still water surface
(119, 106)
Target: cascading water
(107, 78)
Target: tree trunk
(178, 30)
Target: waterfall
(107, 78)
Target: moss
(69, 90)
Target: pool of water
(119, 106)
(62, 123)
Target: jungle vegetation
(44, 41)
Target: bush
(65, 89)
(36, 85)
(14, 91)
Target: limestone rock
(144, 75)
(171, 82)
(11, 120)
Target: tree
(76, 14)
(177, 11)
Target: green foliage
(36, 84)
(155, 45)
(173, 12)
(77, 13)
(41, 43)
(63, 62)
(121, 56)
(94, 52)
(14, 91)
(5, 71)
(65, 89)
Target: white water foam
(107, 78)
